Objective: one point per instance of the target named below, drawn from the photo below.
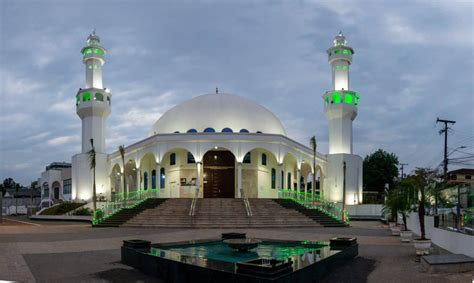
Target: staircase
(220, 213)
(318, 216)
(126, 214)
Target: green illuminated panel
(336, 97)
(347, 52)
(98, 51)
(86, 96)
(326, 100)
(336, 51)
(89, 51)
(348, 98)
(356, 100)
(99, 96)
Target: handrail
(248, 209)
(122, 201)
(192, 209)
(312, 201)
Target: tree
(92, 163)
(313, 143)
(379, 168)
(122, 154)
(422, 179)
(405, 197)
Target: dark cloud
(413, 63)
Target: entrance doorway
(56, 187)
(219, 174)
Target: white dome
(218, 111)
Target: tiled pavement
(78, 253)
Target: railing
(313, 201)
(122, 201)
(248, 209)
(192, 209)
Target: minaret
(92, 106)
(340, 107)
(93, 102)
(340, 104)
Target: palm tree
(92, 163)
(312, 141)
(122, 154)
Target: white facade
(55, 183)
(189, 144)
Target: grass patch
(62, 208)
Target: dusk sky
(413, 62)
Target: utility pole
(445, 131)
(403, 164)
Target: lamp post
(344, 192)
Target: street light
(456, 149)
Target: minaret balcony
(98, 99)
(343, 101)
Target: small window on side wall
(264, 159)
(173, 159)
(162, 178)
(247, 158)
(273, 178)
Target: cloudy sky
(413, 63)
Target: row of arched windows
(212, 130)
(87, 96)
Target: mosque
(218, 145)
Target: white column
(138, 184)
(298, 177)
(158, 178)
(279, 178)
(198, 175)
(239, 179)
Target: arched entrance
(219, 174)
(56, 187)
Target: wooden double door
(219, 174)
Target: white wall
(367, 210)
(454, 242)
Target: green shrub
(62, 208)
(84, 211)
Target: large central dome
(219, 113)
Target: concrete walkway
(77, 252)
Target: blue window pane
(273, 178)
(191, 158)
(162, 178)
(172, 158)
(227, 130)
(247, 158)
(244, 131)
(145, 180)
(153, 179)
(209, 130)
(191, 131)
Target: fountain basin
(242, 245)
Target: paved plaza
(75, 252)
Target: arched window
(259, 132)
(108, 100)
(348, 98)
(99, 96)
(244, 131)
(227, 130)
(191, 131)
(247, 158)
(145, 180)
(273, 178)
(173, 159)
(45, 190)
(301, 183)
(209, 130)
(191, 158)
(264, 159)
(288, 181)
(86, 96)
(153, 179)
(162, 178)
(78, 99)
